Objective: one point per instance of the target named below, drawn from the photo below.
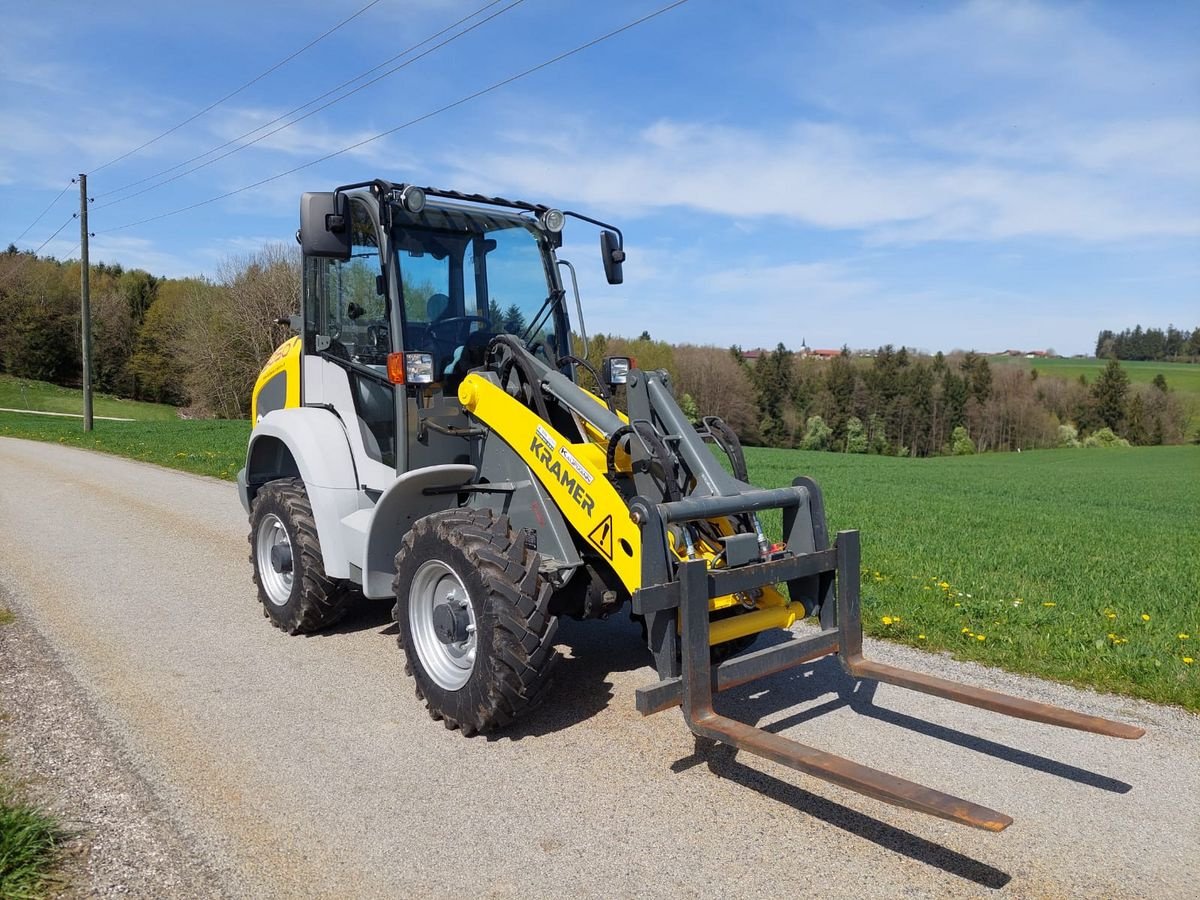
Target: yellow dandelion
(943, 585)
(966, 631)
(1049, 603)
(920, 637)
(1111, 615)
(1183, 636)
(981, 637)
(886, 620)
(1145, 617)
(958, 605)
(1188, 660)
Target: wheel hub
(281, 558)
(450, 623)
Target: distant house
(824, 354)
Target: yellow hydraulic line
(753, 622)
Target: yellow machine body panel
(278, 384)
(573, 474)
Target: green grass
(29, 839)
(24, 393)
(1182, 377)
(1045, 554)
(205, 447)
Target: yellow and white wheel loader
(427, 438)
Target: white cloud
(887, 186)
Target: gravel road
(272, 766)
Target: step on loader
(429, 438)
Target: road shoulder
(125, 841)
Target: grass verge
(203, 447)
(29, 838)
(29, 841)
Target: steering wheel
(457, 323)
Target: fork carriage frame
(827, 579)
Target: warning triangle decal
(602, 537)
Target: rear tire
(474, 620)
(289, 571)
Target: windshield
(468, 275)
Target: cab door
(348, 334)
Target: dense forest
(199, 344)
(1137, 343)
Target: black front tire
(302, 599)
(511, 630)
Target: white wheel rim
(277, 584)
(435, 585)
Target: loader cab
(425, 288)
(467, 275)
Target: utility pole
(85, 312)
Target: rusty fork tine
(991, 700)
(849, 619)
(703, 720)
(861, 779)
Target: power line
(429, 115)
(237, 91)
(302, 106)
(46, 210)
(70, 219)
(312, 112)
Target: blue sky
(940, 175)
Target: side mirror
(325, 225)
(612, 255)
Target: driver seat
(436, 309)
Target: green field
(24, 393)
(1181, 377)
(1045, 562)
(1077, 565)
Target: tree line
(899, 403)
(1154, 344)
(199, 343)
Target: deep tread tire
(515, 651)
(316, 601)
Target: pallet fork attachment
(841, 632)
